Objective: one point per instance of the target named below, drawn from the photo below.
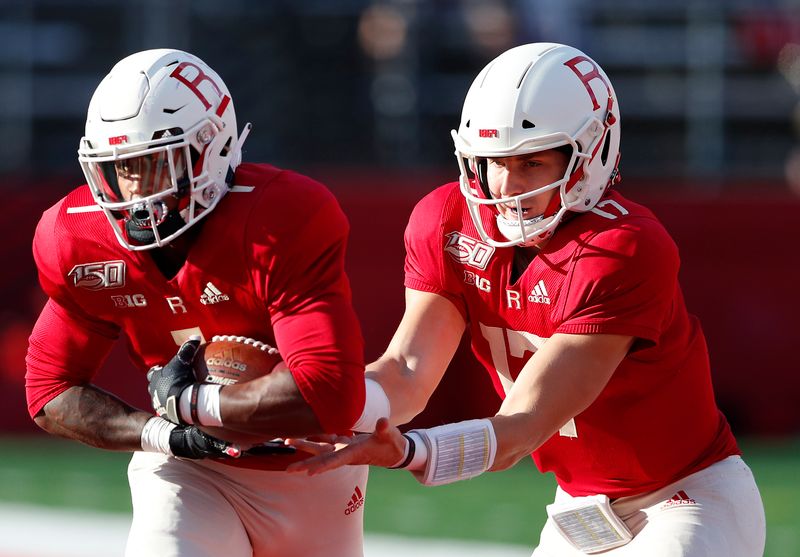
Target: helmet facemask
(152, 192)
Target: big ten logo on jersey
(99, 275)
(477, 281)
(129, 301)
(468, 251)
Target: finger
(382, 426)
(312, 447)
(311, 466)
(188, 349)
(322, 463)
(324, 438)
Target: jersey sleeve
(624, 282)
(315, 326)
(425, 268)
(67, 346)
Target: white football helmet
(532, 98)
(160, 145)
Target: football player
(570, 293)
(173, 241)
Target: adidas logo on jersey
(355, 502)
(539, 294)
(212, 295)
(679, 499)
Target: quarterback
(171, 242)
(570, 294)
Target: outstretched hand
(385, 447)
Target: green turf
(505, 507)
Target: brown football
(228, 360)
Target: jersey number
(505, 342)
(182, 335)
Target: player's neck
(522, 259)
(170, 258)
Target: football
(228, 360)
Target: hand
(190, 442)
(385, 447)
(167, 383)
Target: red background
(740, 275)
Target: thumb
(188, 349)
(382, 427)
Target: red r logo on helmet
(179, 74)
(587, 77)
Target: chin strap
(145, 235)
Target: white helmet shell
(533, 98)
(163, 121)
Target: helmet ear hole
(481, 168)
(606, 148)
(225, 148)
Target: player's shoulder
(436, 207)
(69, 222)
(440, 198)
(622, 226)
(271, 206)
(72, 232)
(280, 188)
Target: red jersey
(267, 263)
(613, 270)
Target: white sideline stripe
(29, 531)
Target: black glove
(190, 442)
(167, 383)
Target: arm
(418, 354)
(92, 416)
(558, 382)
(64, 352)
(271, 405)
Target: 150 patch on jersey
(96, 276)
(467, 250)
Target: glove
(167, 383)
(190, 442)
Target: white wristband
(457, 451)
(376, 406)
(415, 456)
(155, 435)
(420, 458)
(207, 405)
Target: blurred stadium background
(361, 95)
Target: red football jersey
(613, 270)
(268, 263)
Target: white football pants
(714, 512)
(205, 509)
